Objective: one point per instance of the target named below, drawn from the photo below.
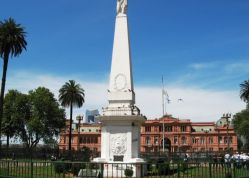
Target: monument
(121, 119)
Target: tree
(15, 107)
(71, 94)
(32, 117)
(244, 91)
(12, 42)
(241, 123)
(45, 118)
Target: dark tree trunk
(5, 67)
(70, 127)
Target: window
(147, 129)
(175, 140)
(156, 140)
(184, 140)
(147, 140)
(156, 128)
(193, 140)
(202, 140)
(168, 129)
(183, 128)
(211, 140)
(230, 139)
(220, 139)
(225, 140)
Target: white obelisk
(121, 119)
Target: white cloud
(240, 67)
(197, 104)
(199, 66)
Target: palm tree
(12, 43)
(244, 91)
(71, 94)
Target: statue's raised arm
(122, 6)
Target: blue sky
(201, 45)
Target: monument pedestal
(120, 136)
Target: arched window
(225, 140)
(202, 140)
(147, 140)
(184, 140)
(220, 139)
(211, 140)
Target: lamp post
(227, 116)
(79, 118)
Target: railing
(64, 169)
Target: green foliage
(71, 94)
(244, 91)
(16, 106)
(34, 117)
(241, 123)
(128, 172)
(87, 153)
(184, 166)
(12, 38)
(12, 42)
(163, 168)
(61, 167)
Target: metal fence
(65, 169)
(45, 153)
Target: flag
(165, 94)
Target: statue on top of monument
(122, 7)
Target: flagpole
(163, 111)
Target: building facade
(184, 135)
(179, 135)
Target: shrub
(61, 167)
(76, 168)
(163, 168)
(128, 172)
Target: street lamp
(79, 118)
(227, 116)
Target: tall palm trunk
(70, 126)
(5, 67)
